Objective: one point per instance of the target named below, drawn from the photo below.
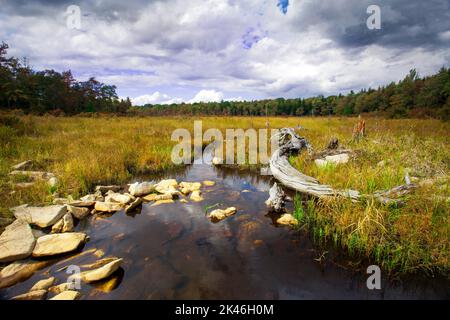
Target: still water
(173, 251)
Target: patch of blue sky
(283, 5)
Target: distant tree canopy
(411, 97)
(54, 92)
(50, 91)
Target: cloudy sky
(176, 50)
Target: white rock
(59, 243)
(40, 216)
(338, 158)
(52, 182)
(67, 295)
(16, 242)
(102, 272)
(220, 214)
(140, 189)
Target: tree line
(411, 97)
(49, 91)
(53, 92)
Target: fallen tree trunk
(290, 143)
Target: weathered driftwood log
(289, 143)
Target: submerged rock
(16, 242)
(67, 295)
(102, 272)
(19, 271)
(32, 295)
(108, 206)
(60, 243)
(220, 214)
(43, 284)
(208, 183)
(40, 216)
(157, 203)
(141, 189)
(287, 219)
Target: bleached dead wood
(291, 143)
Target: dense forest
(411, 97)
(57, 93)
(52, 92)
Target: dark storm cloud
(404, 23)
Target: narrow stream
(172, 251)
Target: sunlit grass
(83, 152)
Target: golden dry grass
(84, 152)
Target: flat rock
(208, 183)
(102, 272)
(78, 212)
(196, 196)
(108, 206)
(60, 287)
(335, 159)
(104, 189)
(141, 189)
(67, 295)
(159, 202)
(117, 197)
(219, 214)
(287, 219)
(60, 243)
(19, 271)
(43, 284)
(81, 203)
(16, 242)
(157, 197)
(187, 187)
(133, 205)
(40, 216)
(32, 295)
(165, 185)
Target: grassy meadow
(83, 152)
